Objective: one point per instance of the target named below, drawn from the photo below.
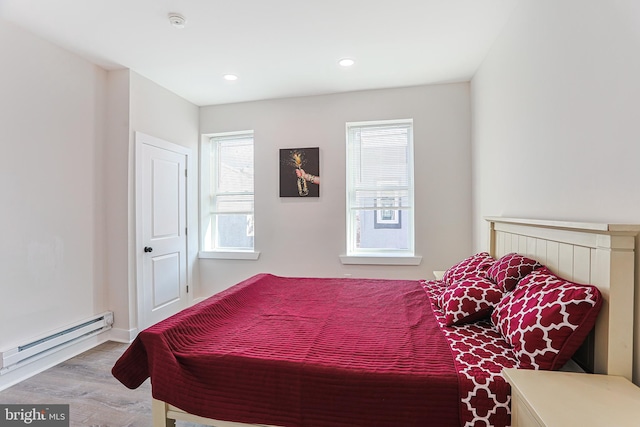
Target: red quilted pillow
(546, 318)
(475, 265)
(510, 269)
(468, 300)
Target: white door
(161, 203)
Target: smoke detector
(177, 20)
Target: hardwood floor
(95, 398)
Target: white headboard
(595, 253)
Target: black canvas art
(300, 172)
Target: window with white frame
(380, 188)
(227, 198)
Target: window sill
(249, 255)
(380, 260)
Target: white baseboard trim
(123, 335)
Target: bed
(331, 352)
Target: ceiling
(277, 48)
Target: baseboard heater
(58, 339)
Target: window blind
(380, 187)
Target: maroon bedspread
(303, 352)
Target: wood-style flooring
(95, 397)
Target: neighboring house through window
(227, 195)
(380, 194)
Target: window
(380, 189)
(227, 197)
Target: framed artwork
(389, 215)
(300, 172)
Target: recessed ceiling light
(230, 77)
(346, 62)
(177, 20)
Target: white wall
(137, 104)
(52, 126)
(66, 129)
(304, 237)
(117, 176)
(555, 118)
(160, 113)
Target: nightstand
(562, 399)
(439, 274)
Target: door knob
(148, 249)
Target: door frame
(142, 139)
